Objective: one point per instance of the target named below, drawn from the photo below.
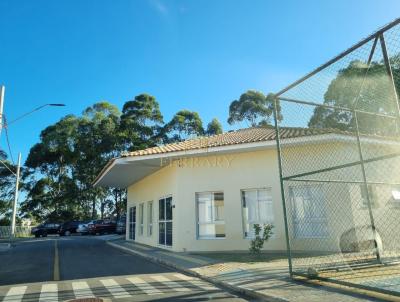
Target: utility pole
(15, 197)
(2, 90)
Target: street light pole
(14, 212)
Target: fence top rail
(341, 55)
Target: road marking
(196, 282)
(15, 294)
(49, 292)
(115, 289)
(144, 286)
(56, 272)
(171, 284)
(82, 290)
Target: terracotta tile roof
(242, 136)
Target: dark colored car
(48, 228)
(69, 228)
(100, 227)
(121, 225)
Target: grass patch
(244, 257)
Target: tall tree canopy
(141, 122)
(252, 107)
(214, 127)
(62, 166)
(185, 124)
(49, 171)
(358, 86)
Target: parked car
(83, 227)
(69, 228)
(48, 228)
(121, 225)
(100, 227)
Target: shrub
(257, 243)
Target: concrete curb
(233, 288)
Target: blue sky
(197, 55)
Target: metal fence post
(390, 74)
(364, 175)
(278, 147)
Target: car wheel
(67, 233)
(37, 235)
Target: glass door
(132, 223)
(165, 221)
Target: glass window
(161, 233)
(141, 219)
(309, 211)
(364, 197)
(210, 215)
(168, 208)
(161, 210)
(150, 218)
(132, 222)
(257, 208)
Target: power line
(8, 139)
(5, 165)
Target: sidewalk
(264, 280)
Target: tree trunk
(102, 209)
(94, 208)
(116, 203)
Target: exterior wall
(231, 173)
(151, 188)
(249, 170)
(344, 201)
(337, 200)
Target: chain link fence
(341, 182)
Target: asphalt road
(64, 268)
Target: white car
(83, 228)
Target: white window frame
(165, 221)
(213, 221)
(141, 219)
(242, 200)
(150, 218)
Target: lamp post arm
(32, 111)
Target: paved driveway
(63, 268)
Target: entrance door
(165, 221)
(132, 223)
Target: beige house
(206, 194)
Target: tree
(214, 127)
(97, 141)
(7, 185)
(253, 107)
(141, 122)
(48, 175)
(184, 124)
(367, 89)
